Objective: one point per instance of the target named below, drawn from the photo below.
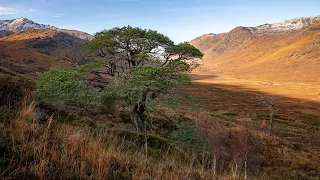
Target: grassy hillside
(217, 131)
(35, 51)
(286, 57)
(46, 143)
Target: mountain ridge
(22, 24)
(286, 55)
(290, 25)
(33, 51)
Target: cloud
(29, 10)
(57, 15)
(10, 10)
(189, 9)
(7, 11)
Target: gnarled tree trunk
(137, 116)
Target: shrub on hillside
(64, 87)
(187, 134)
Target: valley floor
(296, 139)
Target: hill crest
(22, 24)
(278, 55)
(34, 51)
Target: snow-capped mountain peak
(22, 23)
(290, 25)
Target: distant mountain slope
(283, 52)
(78, 34)
(4, 33)
(34, 51)
(21, 24)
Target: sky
(181, 20)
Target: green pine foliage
(145, 85)
(185, 51)
(132, 57)
(64, 87)
(187, 134)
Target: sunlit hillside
(34, 51)
(278, 58)
(131, 103)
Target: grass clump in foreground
(60, 150)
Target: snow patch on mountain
(290, 25)
(287, 26)
(22, 23)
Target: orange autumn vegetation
(291, 57)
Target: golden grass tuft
(61, 150)
(55, 150)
